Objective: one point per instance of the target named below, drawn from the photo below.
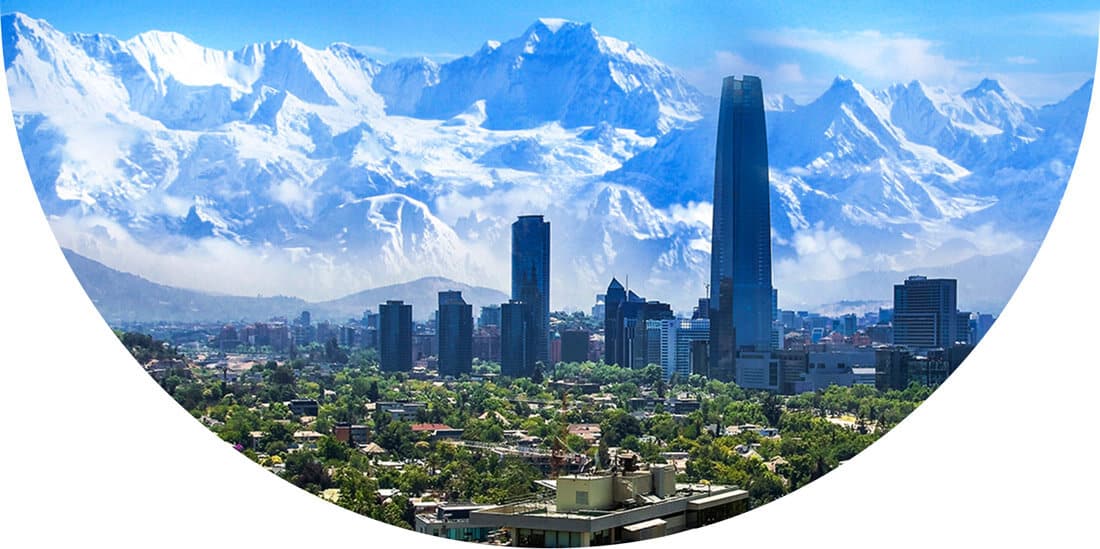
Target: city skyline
(536, 426)
(444, 213)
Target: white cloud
(385, 55)
(692, 213)
(787, 77)
(375, 51)
(1041, 88)
(1021, 60)
(294, 196)
(1079, 23)
(221, 266)
(887, 57)
(821, 253)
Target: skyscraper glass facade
(741, 273)
(517, 340)
(395, 336)
(531, 277)
(456, 334)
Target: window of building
(582, 497)
(531, 538)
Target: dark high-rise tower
(456, 335)
(395, 336)
(740, 263)
(612, 326)
(531, 277)
(517, 340)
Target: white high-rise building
(676, 337)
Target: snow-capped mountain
(283, 169)
(556, 71)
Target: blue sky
(1040, 51)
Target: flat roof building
(452, 521)
(611, 507)
(925, 312)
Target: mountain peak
(16, 24)
(918, 85)
(489, 46)
(161, 37)
(782, 102)
(988, 85)
(22, 19)
(557, 29)
(841, 81)
(844, 88)
(553, 24)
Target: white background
(94, 453)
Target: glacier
(283, 169)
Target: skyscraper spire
(740, 264)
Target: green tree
(617, 425)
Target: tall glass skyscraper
(612, 326)
(741, 254)
(517, 340)
(531, 277)
(456, 334)
(395, 336)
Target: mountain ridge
(125, 297)
(287, 172)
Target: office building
(793, 367)
(700, 356)
(963, 335)
(612, 326)
(574, 345)
(741, 309)
(599, 309)
(456, 333)
(486, 343)
(702, 310)
(517, 340)
(848, 325)
(677, 339)
(490, 316)
(531, 277)
(758, 370)
(843, 368)
(631, 338)
(881, 333)
(395, 336)
(648, 350)
(452, 521)
(982, 324)
(891, 368)
(925, 313)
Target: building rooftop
(430, 427)
(545, 506)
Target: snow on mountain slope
(317, 172)
(556, 71)
(402, 82)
